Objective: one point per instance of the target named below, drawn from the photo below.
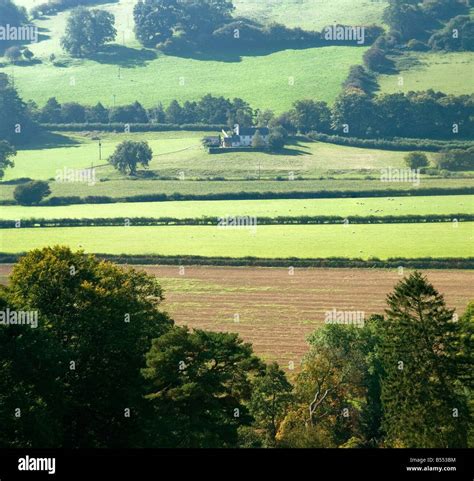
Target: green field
(254, 78)
(313, 14)
(119, 189)
(451, 73)
(261, 208)
(180, 153)
(364, 241)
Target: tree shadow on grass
(293, 148)
(218, 54)
(49, 140)
(122, 56)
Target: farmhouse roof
(252, 130)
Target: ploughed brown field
(276, 311)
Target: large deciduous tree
(199, 383)
(129, 154)
(76, 377)
(87, 31)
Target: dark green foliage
(376, 60)
(15, 121)
(308, 115)
(129, 154)
(416, 160)
(6, 154)
(87, 31)
(361, 79)
(423, 401)
(270, 400)
(456, 159)
(76, 374)
(410, 20)
(31, 192)
(277, 138)
(133, 113)
(198, 383)
(457, 35)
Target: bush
(416, 160)
(376, 60)
(31, 192)
(277, 138)
(456, 159)
(417, 46)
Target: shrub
(417, 46)
(416, 160)
(31, 192)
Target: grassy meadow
(451, 73)
(125, 71)
(462, 204)
(118, 189)
(181, 153)
(271, 241)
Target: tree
(15, 121)
(129, 154)
(199, 383)
(97, 114)
(154, 21)
(337, 391)
(13, 54)
(51, 112)
(95, 325)
(456, 159)
(87, 31)
(424, 404)
(416, 160)
(157, 20)
(264, 117)
(277, 138)
(12, 14)
(32, 192)
(6, 154)
(257, 141)
(133, 113)
(353, 113)
(271, 396)
(310, 115)
(410, 20)
(72, 112)
(174, 113)
(199, 18)
(376, 60)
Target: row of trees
(355, 113)
(105, 367)
(208, 110)
(437, 24)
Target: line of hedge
(331, 262)
(396, 143)
(133, 127)
(323, 194)
(214, 221)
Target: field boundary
(214, 221)
(322, 194)
(291, 262)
